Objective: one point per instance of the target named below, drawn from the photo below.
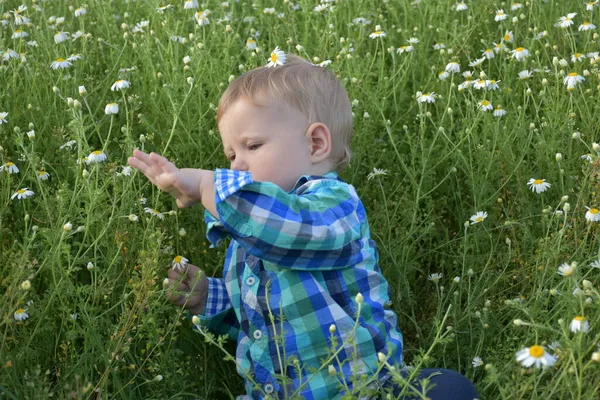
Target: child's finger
(138, 164)
(165, 164)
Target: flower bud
(82, 91)
(566, 207)
(26, 285)
(70, 102)
(190, 80)
(565, 198)
(85, 174)
(182, 232)
(381, 357)
(332, 329)
(359, 298)
(596, 147)
(67, 227)
(55, 89)
(90, 266)
(331, 370)
(195, 320)
(558, 157)
(76, 104)
(596, 356)
(518, 322)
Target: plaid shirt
(302, 256)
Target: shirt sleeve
(321, 225)
(219, 316)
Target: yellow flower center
(97, 152)
(21, 191)
(18, 31)
(538, 181)
(478, 219)
(489, 50)
(177, 259)
(499, 45)
(273, 57)
(42, 172)
(485, 103)
(519, 49)
(573, 74)
(536, 351)
(10, 164)
(251, 41)
(155, 211)
(60, 59)
(579, 318)
(577, 55)
(594, 211)
(20, 311)
(378, 32)
(586, 23)
(506, 37)
(500, 13)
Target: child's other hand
(183, 184)
(188, 288)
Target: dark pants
(445, 384)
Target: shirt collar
(306, 178)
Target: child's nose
(239, 164)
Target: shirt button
(250, 280)
(268, 388)
(257, 334)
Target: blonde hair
(313, 90)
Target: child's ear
(319, 139)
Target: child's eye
(254, 146)
(231, 157)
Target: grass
(108, 331)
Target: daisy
(565, 269)
(595, 264)
(60, 37)
(80, 11)
(202, 18)
(322, 8)
(111, 108)
(592, 214)
(69, 144)
(10, 167)
(22, 194)
(120, 84)
(404, 49)
(592, 54)
(412, 40)
(500, 16)
(20, 19)
(508, 37)
(96, 157)
(325, 63)
(525, 74)
(520, 53)
(577, 57)
(498, 47)
(435, 277)
(376, 172)
(477, 62)
(478, 217)
(488, 53)
(3, 118)
(269, 10)
(361, 21)
(479, 84)
(426, 97)
(535, 355)
(250, 44)
(486, 105)
(43, 175)
(8, 54)
(477, 362)
(538, 185)
(565, 22)
(21, 315)
(278, 57)
(179, 263)
(133, 217)
(453, 67)
(439, 46)
(19, 34)
(579, 324)
(572, 79)
(162, 9)
(515, 6)
(589, 6)
(60, 63)
(378, 32)
(499, 112)
(586, 26)
(460, 6)
(74, 57)
(190, 4)
(154, 212)
(465, 85)
(491, 84)
(443, 75)
(541, 35)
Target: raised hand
(183, 184)
(188, 288)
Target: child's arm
(188, 185)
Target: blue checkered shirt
(302, 257)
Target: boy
(301, 248)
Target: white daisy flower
(21, 314)
(120, 85)
(435, 277)
(426, 97)
(477, 62)
(443, 75)
(80, 11)
(22, 194)
(269, 10)
(479, 84)
(508, 37)
(486, 105)
(19, 34)
(404, 49)
(478, 217)
(179, 263)
(589, 6)
(69, 144)
(10, 167)
(579, 324)
(412, 40)
(488, 53)
(278, 57)
(61, 36)
(525, 74)
(250, 44)
(202, 18)
(3, 118)
(74, 57)
(592, 214)
(595, 264)
(378, 32)
(499, 112)
(520, 53)
(535, 355)
(60, 63)
(376, 172)
(96, 157)
(460, 6)
(586, 26)
(477, 362)
(154, 212)
(566, 269)
(111, 108)
(189, 4)
(538, 185)
(43, 175)
(361, 21)
(565, 22)
(8, 54)
(162, 9)
(577, 57)
(453, 67)
(500, 16)
(515, 6)
(439, 46)
(498, 47)
(572, 79)
(325, 63)
(133, 217)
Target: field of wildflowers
(474, 152)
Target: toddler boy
(301, 258)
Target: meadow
(474, 153)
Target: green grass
(445, 161)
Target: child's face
(270, 142)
